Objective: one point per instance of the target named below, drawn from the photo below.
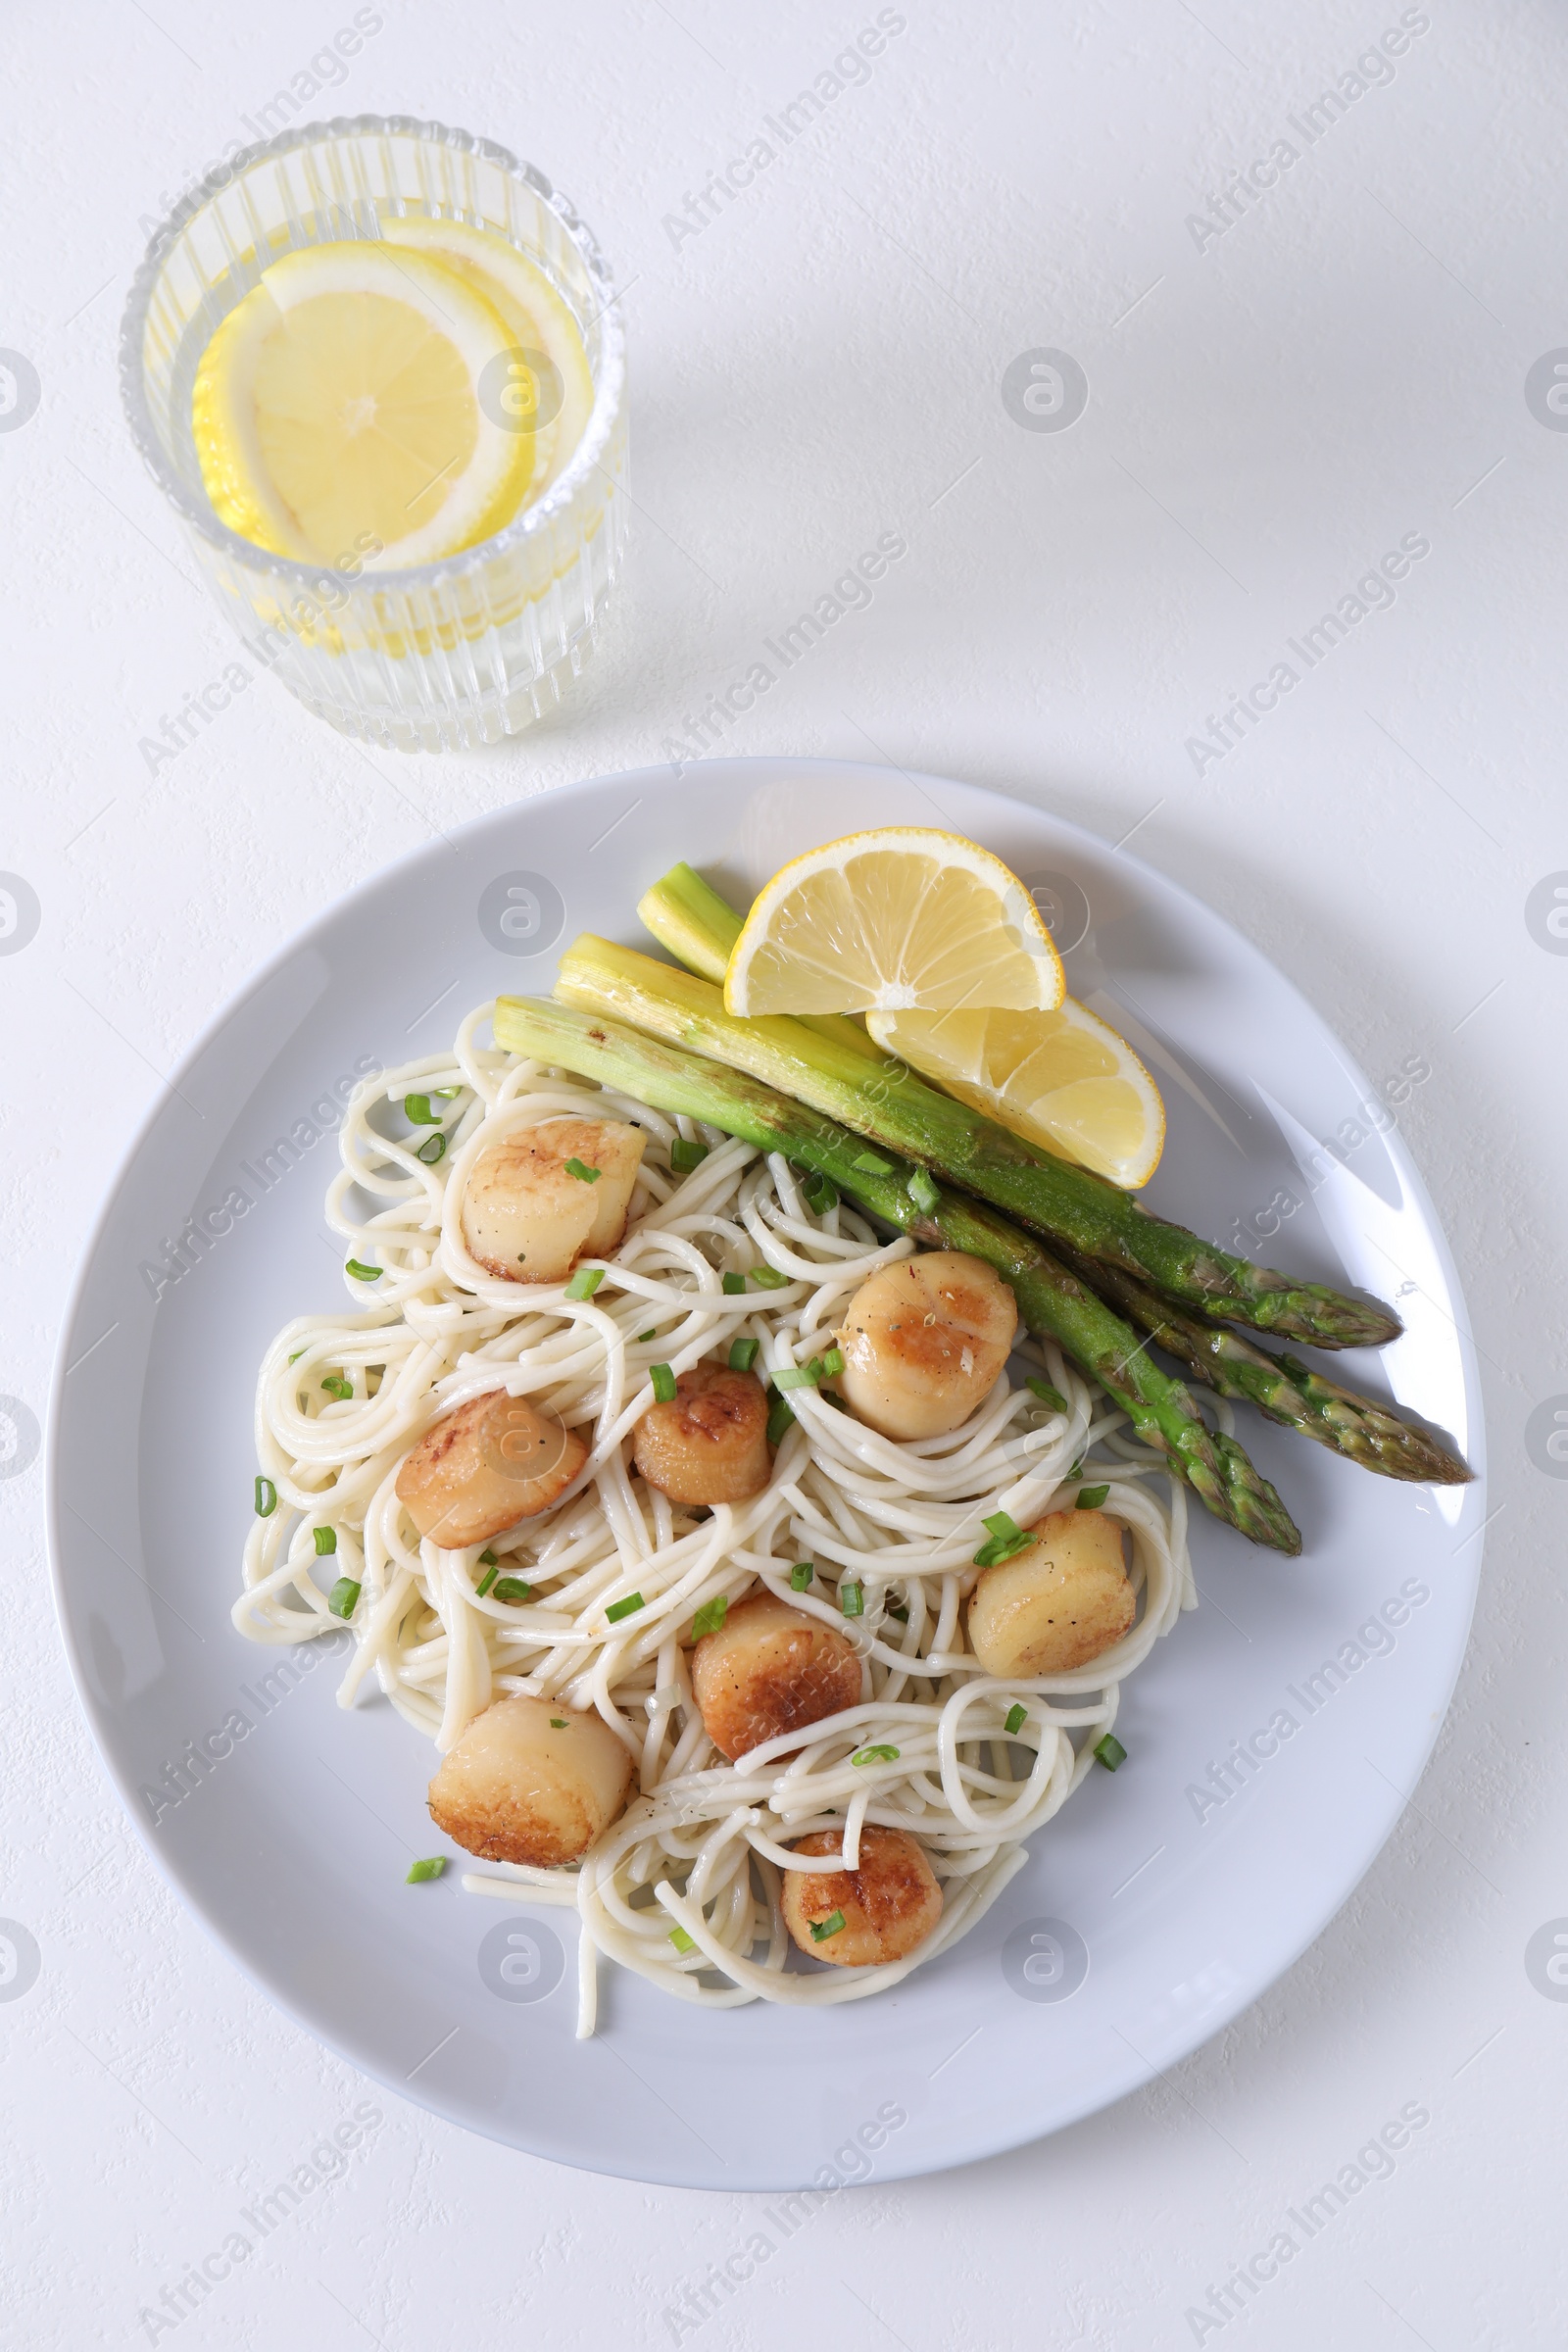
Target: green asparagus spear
(887, 1103)
(688, 917)
(1282, 1387)
(1050, 1300)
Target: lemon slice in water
(337, 411)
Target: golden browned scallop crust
(1057, 1606)
(530, 1781)
(890, 1904)
(709, 1443)
(770, 1669)
(526, 1217)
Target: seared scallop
(547, 1196)
(709, 1443)
(770, 1669)
(493, 1462)
(1058, 1605)
(529, 1781)
(874, 1914)
(924, 1342)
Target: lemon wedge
(1064, 1079)
(546, 390)
(337, 411)
(893, 920)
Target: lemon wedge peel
(900, 918)
(338, 403)
(1064, 1079)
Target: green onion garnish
(295, 1357)
(417, 1110)
(923, 1193)
(732, 1285)
(432, 1149)
(822, 1193)
(1110, 1751)
(743, 1354)
(798, 1376)
(325, 1541)
(896, 1608)
(683, 1942)
(822, 1929)
(266, 1498)
(1090, 1498)
(336, 1385)
(1047, 1395)
(684, 1156)
(447, 1094)
(584, 1175)
(1073, 1468)
(585, 1282)
(801, 1575)
(875, 1755)
(665, 1386)
(362, 1272)
(768, 1278)
(487, 1558)
(488, 1578)
(619, 1609)
(852, 1600)
(558, 1723)
(344, 1598)
(781, 1418)
(418, 1872)
(513, 1588)
(710, 1617)
(643, 1337)
(873, 1163)
(1007, 1540)
(1018, 1717)
(832, 1363)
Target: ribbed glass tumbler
(459, 652)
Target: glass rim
(533, 520)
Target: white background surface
(822, 363)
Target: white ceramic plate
(1149, 1912)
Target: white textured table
(1289, 376)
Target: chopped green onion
(1110, 1751)
(583, 1174)
(710, 1617)
(875, 1755)
(801, 1575)
(1073, 1468)
(325, 1541)
(822, 1929)
(1090, 1498)
(780, 1419)
(684, 1156)
(768, 1278)
(513, 1588)
(585, 1282)
(798, 1376)
(873, 1163)
(683, 1942)
(1018, 1717)
(344, 1598)
(732, 1285)
(1047, 1395)
(896, 1608)
(619, 1609)
(558, 1723)
(743, 1354)
(432, 1151)
(1007, 1540)
(665, 1386)
(336, 1385)
(487, 1558)
(489, 1576)
(832, 1363)
(295, 1357)
(821, 1194)
(418, 1872)
(643, 1337)
(447, 1094)
(417, 1110)
(266, 1498)
(362, 1272)
(923, 1193)
(852, 1600)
